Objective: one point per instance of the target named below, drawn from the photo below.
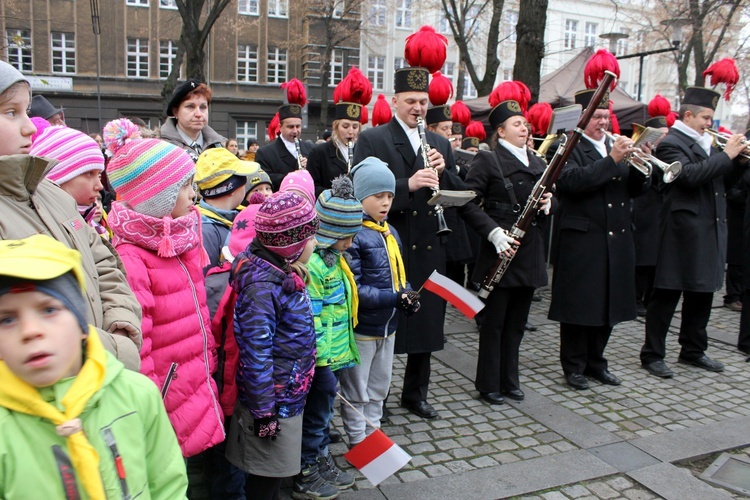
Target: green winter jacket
(331, 299)
(125, 419)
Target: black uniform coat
(646, 210)
(325, 163)
(693, 225)
(276, 160)
(593, 283)
(528, 267)
(415, 220)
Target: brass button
(622, 231)
(414, 247)
(622, 204)
(611, 233)
(429, 212)
(609, 205)
(414, 213)
(429, 247)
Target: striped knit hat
(75, 152)
(284, 223)
(146, 173)
(340, 213)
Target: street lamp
(675, 25)
(97, 32)
(613, 39)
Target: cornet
(299, 154)
(645, 163)
(720, 140)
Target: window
(248, 7)
(167, 53)
(276, 65)
(403, 13)
(19, 49)
(339, 8)
(470, 91)
(449, 71)
(137, 57)
(337, 66)
(377, 13)
(510, 21)
(399, 63)
(63, 53)
(246, 130)
(247, 63)
(571, 29)
(376, 71)
(278, 8)
(137, 3)
(589, 38)
(168, 4)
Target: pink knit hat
(146, 173)
(284, 223)
(243, 228)
(76, 153)
(301, 182)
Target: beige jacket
(30, 205)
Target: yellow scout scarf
(353, 287)
(17, 395)
(394, 254)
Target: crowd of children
(254, 305)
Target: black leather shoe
(529, 327)
(334, 435)
(703, 362)
(420, 408)
(514, 394)
(604, 377)
(658, 368)
(493, 398)
(640, 311)
(577, 381)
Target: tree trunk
(532, 18)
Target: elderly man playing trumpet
(692, 234)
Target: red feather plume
(426, 48)
(381, 111)
(602, 60)
(723, 71)
(274, 127)
(363, 116)
(724, 130)
(671, 118)
(460, 113)
(511, 90)
(613, 119)
(475, 129)
(295, 92)
(354, 87)
(539, 115)
(440, 90)
(659, 106)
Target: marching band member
(593, 286)
(692, 235)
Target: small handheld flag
(377, 457)
(460, 297)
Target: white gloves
(500, 239)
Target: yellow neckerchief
(353, 287)
(17, 395)
(213, 215)
(394, 254)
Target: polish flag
(460, 297)
(377, 457)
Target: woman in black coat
(501, 331)
(330, 159)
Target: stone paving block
(437, 470)
(412, 475)
(620, 483)
(674, 483)
(485, 461)
(602, 490)
(575, 491)
(554, 495)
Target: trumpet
(350, 159)
(720, 140)
(443, 228)
(645, 163)
(299, 154)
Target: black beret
(180, 92)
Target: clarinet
(299, 154)
(350, 146)
(543, 185)
(443, 229)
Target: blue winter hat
(372, 176)
(339, 212)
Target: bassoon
(543, 185)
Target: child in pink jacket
(156, 230)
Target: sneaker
(331, 473)
(309, 484)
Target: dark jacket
(693, 226)
(417, 224)
(325, 163)
(646, 210)
(528, 267)
(378, 316)
(594, 279)
(211, 138)
(276, 160)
